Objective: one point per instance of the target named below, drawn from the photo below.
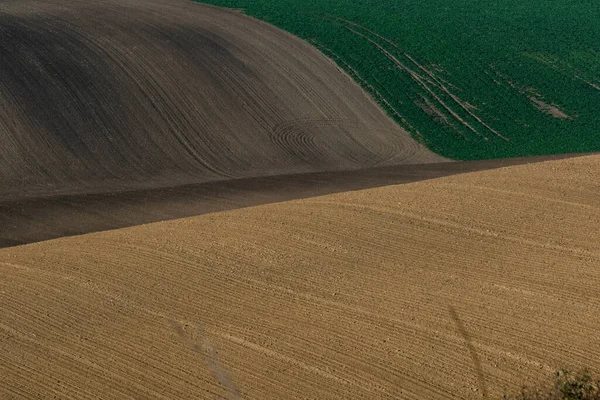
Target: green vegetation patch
(470, 79)
(566, 386)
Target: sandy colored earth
(369, 294)
(112, 95)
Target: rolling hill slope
(369, 294)
(118, 95)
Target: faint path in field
(203, 346)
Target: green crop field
(471, 79)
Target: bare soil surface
(383, 293)
(105, 96)
(549, 109)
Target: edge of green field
(469, 79)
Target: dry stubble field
(342, 296)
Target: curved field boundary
(27, 220)
(470, 80)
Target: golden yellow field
(370, 294)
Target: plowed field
(383, 293)
(113, 95)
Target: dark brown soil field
(113, 95)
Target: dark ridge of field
(113, 95)
(32, 220)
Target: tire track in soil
(426, 82)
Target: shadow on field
(472, 352)
(29, 220)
